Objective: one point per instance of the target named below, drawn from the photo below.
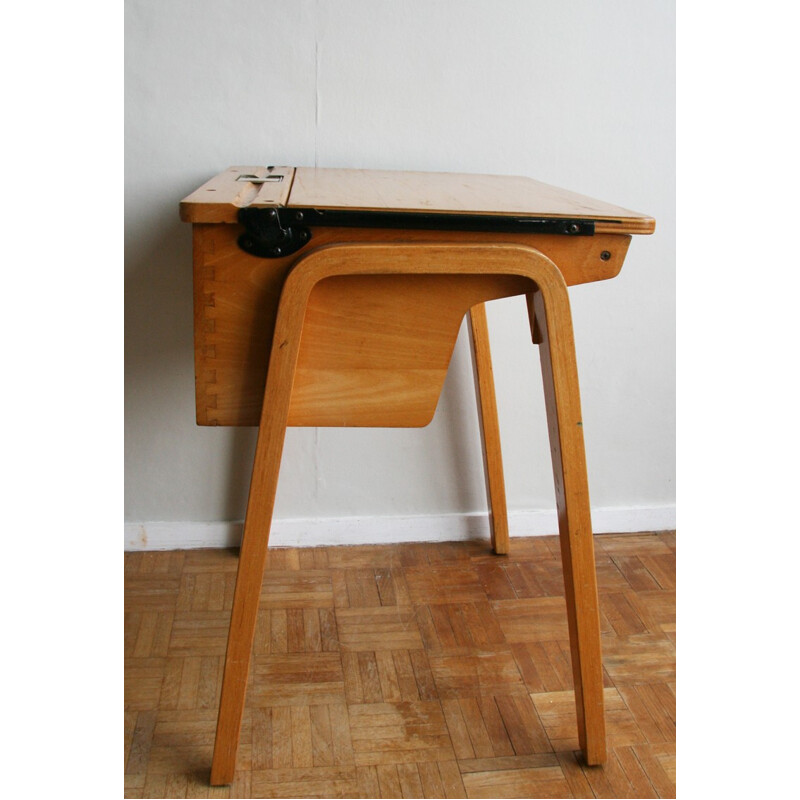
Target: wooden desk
(327, 297)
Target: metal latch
(257, 179)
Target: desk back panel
(364, 334)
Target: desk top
(429, 193)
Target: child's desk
(333, 297)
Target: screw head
(277, 251)
(605, 255)
(299, 216)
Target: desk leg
(562, 400)
(253, 553)
(490, 429)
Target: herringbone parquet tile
(424, 670)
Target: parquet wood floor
(416, 670)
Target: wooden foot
(490, 429)
(253, 554)
(562, 399)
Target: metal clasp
(256, 179)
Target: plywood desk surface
(383, 190)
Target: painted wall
(578, 94)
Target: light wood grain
(255, 537)
(236, 298)
(375, 349)
(360, 330)
(219, 199)
(481, 271)
(489, 427)
(565, 423)
(454, 193)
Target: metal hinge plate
(279, 232)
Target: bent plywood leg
(252, 558)
(490, 430)
(253, 554)
(554, 327)
(562, 399)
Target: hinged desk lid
(432, 193)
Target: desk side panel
(235, 302)
(236, 298)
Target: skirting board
(385, 530)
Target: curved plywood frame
(523, 267)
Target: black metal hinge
(278, 232)
(267, 235)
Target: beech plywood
(236, 294)
(489, 427)
(375, 349)
(236, 299)
(479, 270)
(454, 193)
(219, 199)
(360, 331)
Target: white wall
(579, 94)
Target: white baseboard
(385, 530)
